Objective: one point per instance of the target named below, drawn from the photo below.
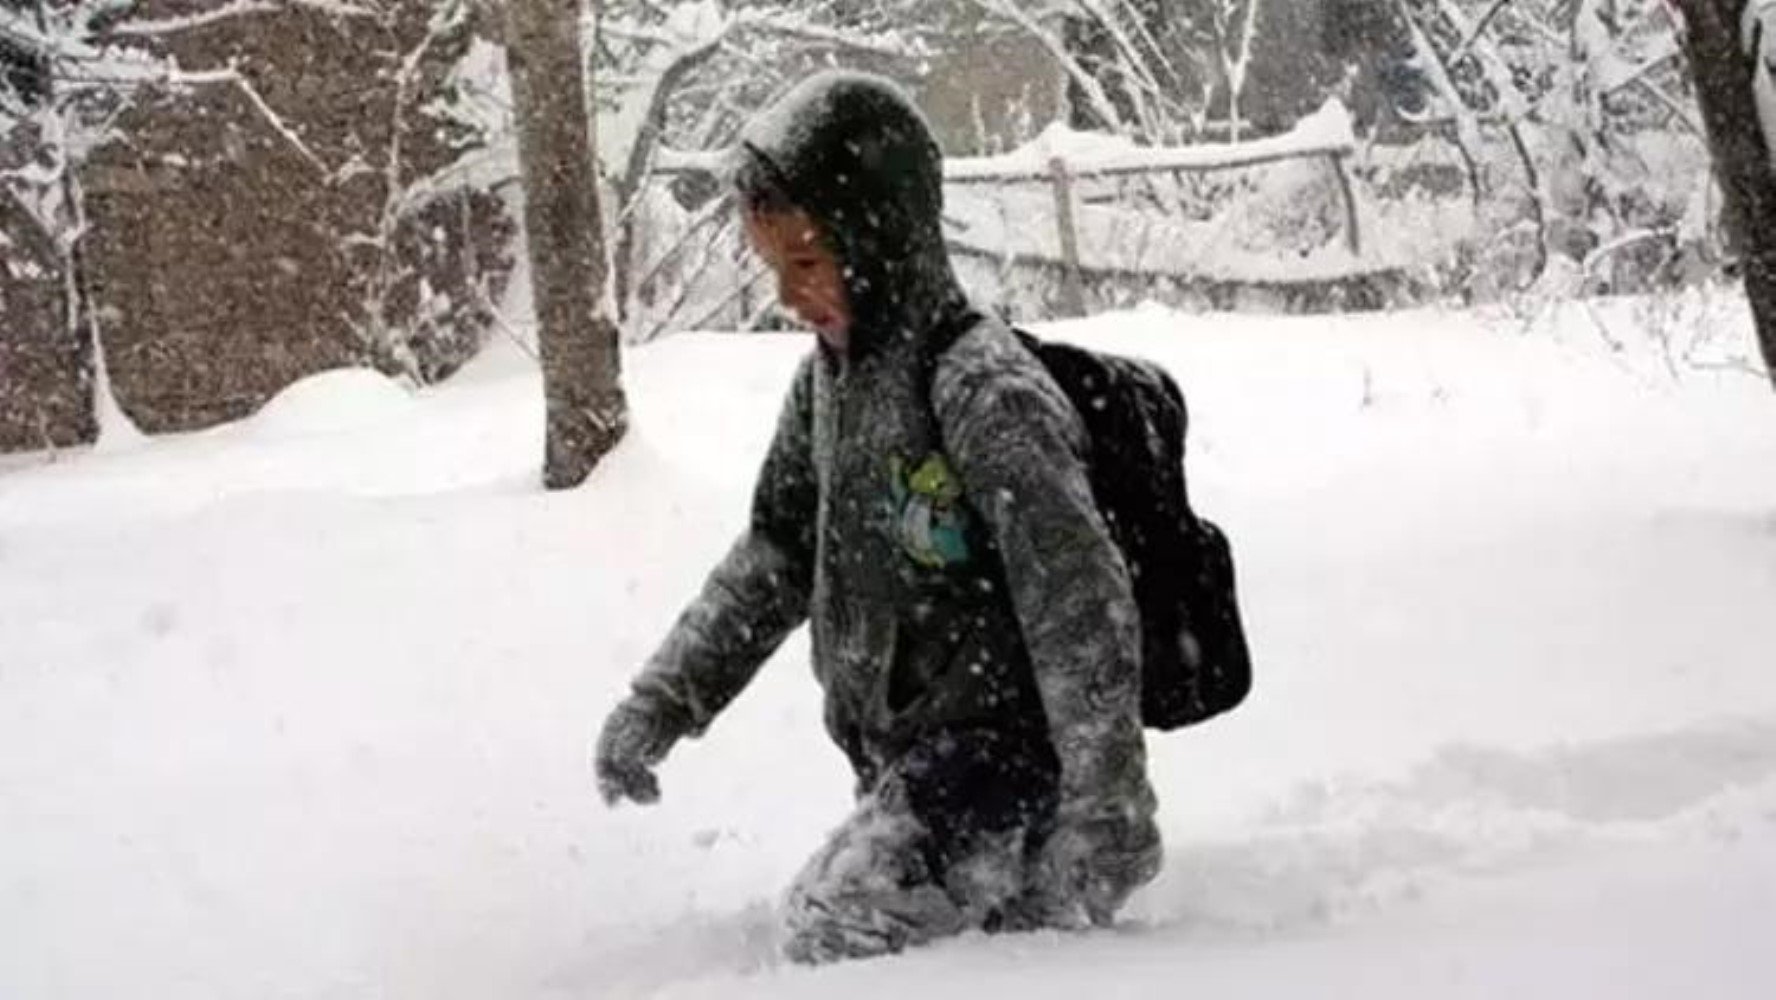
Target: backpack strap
(952, 328)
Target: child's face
(810, 282)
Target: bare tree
(1127, 70)
(1727, 47)
(1233, 26)
(577, 336)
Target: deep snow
(300, 707)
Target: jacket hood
(853, 151)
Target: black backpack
(1195, 663)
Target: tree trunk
(577, 337)
(81, 329)
(1724, 74)
(66, 243)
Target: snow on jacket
(930, 518)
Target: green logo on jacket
(930, 518)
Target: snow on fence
(1062, 158)
(1085, 244)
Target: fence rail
(1326, 136)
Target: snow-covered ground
(300, 707)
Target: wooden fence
(1062, 175)
(1328, 140)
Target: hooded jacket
(929, 517)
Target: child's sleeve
(759, 593)
(1019, 447)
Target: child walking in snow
(925, 507)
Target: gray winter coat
(930, 517)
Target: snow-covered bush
(1576, 129)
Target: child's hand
(636, 737)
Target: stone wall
(226, 261)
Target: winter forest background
(203, 202)
(1473, 301)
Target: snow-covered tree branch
(132, 27)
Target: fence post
(1353, 235)
(1073, 280)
